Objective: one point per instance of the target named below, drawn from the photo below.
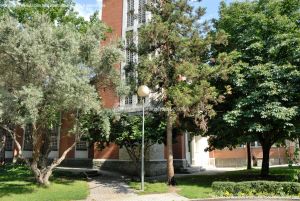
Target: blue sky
(88, 7)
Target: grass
(154, 187)
(199, 186)
(17, 184)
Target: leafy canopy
(265, 39)
(46, 69)
(174, 60)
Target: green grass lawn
(199, 186)
(17, 184)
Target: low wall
(241, 162)
(72, 162)
(152, 168)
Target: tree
(46, 70)
(265, 39)
(58, 11)
(174, 62)
(125, 131)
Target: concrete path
(104, 188)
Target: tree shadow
(16, 179)
(236, 176)
(7, 189)
(115, 184)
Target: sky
(87, 7)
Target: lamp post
(143, 92)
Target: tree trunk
(249, 158)
(265, 163)
(44, 151)
(170, 166)
(135, 157)
(41, 176)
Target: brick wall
(238, 157)
(112, 15)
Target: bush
(249, 188)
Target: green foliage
(263, 40)
(40, 69)
(125, 130)
(58, 11)
(51, 71)
(171, 46)
(256, 188)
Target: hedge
(254, 188)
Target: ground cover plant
(18, 184)
(256, 188)
(200, 186)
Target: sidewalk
(104, 188)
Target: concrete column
(193, 149)
(187, 151)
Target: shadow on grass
(7, 189)
(18, 179)
(276, 174)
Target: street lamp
(143, 92)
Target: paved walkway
(104, 188)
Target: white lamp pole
(143, 92)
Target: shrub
(249, 188)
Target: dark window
(128, 100)
(82, 145)
(28, 138)
(142, 11)
(130, 13)
(54, 138)
(9, 143)
(129, 47)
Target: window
(130, 13)
(128, 100)
(142, 11)
(82, 145)
(140, 100)
(129, 47)
(28, 138)
(54, 138)
(129, 76)
(9, 143)
(8, 140)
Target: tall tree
(265, 39)
(45, 70)
(58, 11)
(174, 62)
